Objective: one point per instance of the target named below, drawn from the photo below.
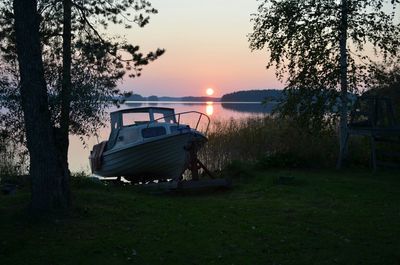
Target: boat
(150, 143)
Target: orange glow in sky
(204, 40)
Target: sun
(209, 91)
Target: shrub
(12, 161)
(237, 170)
(279, 160)
(83, 180)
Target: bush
(83, 180)
(279, 160)
(12, 161)
(237, 170)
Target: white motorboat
(152, 145)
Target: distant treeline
(137, 97)
(253, 95)
(239, 96)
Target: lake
(217, 111)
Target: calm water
(78, 153)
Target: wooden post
(194, 168)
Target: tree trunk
(62, 140)
(343, 84)
(45, 170)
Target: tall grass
(274, 142)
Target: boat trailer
(181, 184)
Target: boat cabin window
(164, 116)
(153, 132)
(160, 117)
(129, 119)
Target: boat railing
(178, 119)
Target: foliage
(83, 180)
(238, 170)
(385, 81)
(303, 40)
(13, 162)
(280, 160)
(99, 61)
(313, 110)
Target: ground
(272, 217)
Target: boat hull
(166, 157)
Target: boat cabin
(129, 117)
(138, 124)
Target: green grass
(319, 217)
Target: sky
(206, 46)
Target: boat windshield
(162, 117)
(129, 119)
(142, 116)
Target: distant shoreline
(238, 97)
(193, 102)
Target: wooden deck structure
(373, 117)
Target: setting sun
(210, 91)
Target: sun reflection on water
(209, 108)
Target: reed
(234, 139)
(274, 142)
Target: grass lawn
(320, 217)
